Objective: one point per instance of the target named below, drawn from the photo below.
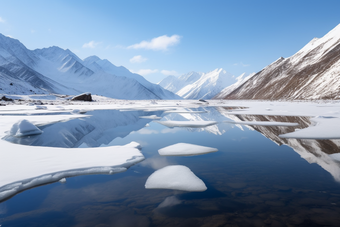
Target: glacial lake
(254, 179)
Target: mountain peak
(92, 58)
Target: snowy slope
(16, 73)
(311, 73)
(97, 64)
(195, 85)
(239, 81)
(208, 85)
(175, 84)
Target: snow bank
(192, 124)
(176, 177)
(41, 165)
(185, 149)
(322, 128)
(262, 123)
(24, 128)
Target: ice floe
(323, 127)
(185, 149)
(153, 117)
(41, 165)
(24, 128)
(192, 124)
(262, 123)
(176, 177)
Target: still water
(254, 179)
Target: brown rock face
(312, 73)
(83, 97)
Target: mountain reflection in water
(313, 151)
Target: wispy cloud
(169, 72)
(91, 44)
(2, 20)
(144, 72)
(241, 64)
(138, 59)
(158, 43)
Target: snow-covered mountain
(174, 84)
(202, 85)
(55, 70)
(17, 75)
(239, 81)
(311, 73)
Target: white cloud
(2, 20)
(168, 72)
(144, 72)
(138, 59)
(158, 43)
(241, 64)
(91, 44)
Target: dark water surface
(251, 180)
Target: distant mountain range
(311, 73)
(55, 70)
(196, 85)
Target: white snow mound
(185, 149)
(24, 128)
(176, 177)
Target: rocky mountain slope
(311, 73)
(55, 70)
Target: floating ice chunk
(62, 180)
(176, 177)
(41, 107)
(24, 128)
(153, 117)
(262, 123)
(169, 201)
(323, 127)
(192, 124)
(77, 111)
(185, 149)
(44, 164)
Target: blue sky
(157, 38)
